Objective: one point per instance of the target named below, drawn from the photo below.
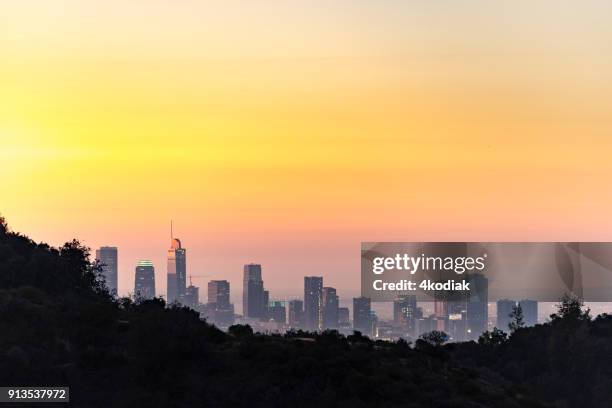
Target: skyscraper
(313, 302)
(266, 304)
(219, 292)
(477, 306)
(404, 311)
(530, 312)
(144, 281)
(277, 312)
(456, 325)
(424, 325)
(192, 297)
(440, 318)
(362, 315)
(253, 292)
(344, 319)
(330, 308)
(296, 314)
(219, 306)
(455, 322)
(177, 272)
(504, 308)
(108, 259)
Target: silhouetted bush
(240, 330)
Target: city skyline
(319, 309)
(323, 307)
(345, 297)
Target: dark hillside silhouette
(59, 326)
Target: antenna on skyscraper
(171, 233)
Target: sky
(286, 132)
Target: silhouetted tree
(240, 330)
(3, 225)
(495, 337)
(516, 318)
(435, 337)
(570, 308)
(403, 343)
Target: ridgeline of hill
(58, 326)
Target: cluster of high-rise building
(319, 309)
(462, 318)
(218, 310)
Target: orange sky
(286, 133)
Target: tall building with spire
(177, 270)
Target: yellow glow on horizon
(301, 126)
